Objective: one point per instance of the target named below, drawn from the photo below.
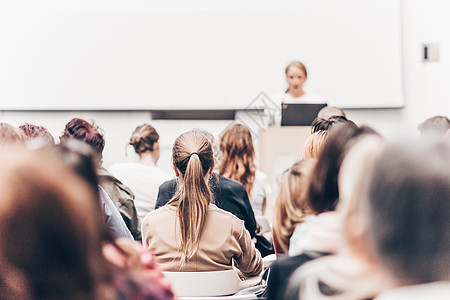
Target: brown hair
(35, 131)
(85, 131)
(237, 157)
(143, 138)
(291, 206)
(49, 228)
(193, 157)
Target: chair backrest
(202, 284)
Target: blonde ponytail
(193, 157)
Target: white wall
(426, 92)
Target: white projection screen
(133, 55)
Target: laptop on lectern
(299, 114)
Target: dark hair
(323, 190)
(143, 138)
(35, 131)
(320, 124)
(84, 131)
(409, 210)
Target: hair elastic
(193, 154)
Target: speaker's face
(295, 77)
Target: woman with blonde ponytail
(190, 233)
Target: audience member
(337, 275)
(143, 177)
(80, 157)
(229, 195)
(52, 238)
(434, 127)
(237, 162)
(320, 124)
(37, 132)
(291, 206)
(320, 235)
(190, 233)
(10, 135)
(120, 194)
(330, 111)
(314, 144)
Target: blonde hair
(237, 157)
(314, 144)
(291, 206)
(193, 157)
(143, 138)
(10, 135)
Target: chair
(210, 285)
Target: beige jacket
(224, 239)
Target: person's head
(145, 139)
(323, 190)
(319, 124)
(48, 228)
(434, 127)
(193, 163)
(408, 207)
(291, 205)
(237, 155)
(85, 131)
(37, 132)
(329, 111)
(10, 135)
(356, 164)
(314, 144)
(296, 75)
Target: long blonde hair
(238, 154)
(291, 206)
(193, 157)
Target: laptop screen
(299, 114)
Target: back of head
(48, 227)
(193, 157)
(321, 124)
(237, 155)
(143, 138)
(330, 111)
(323, 190)
(37, 132)
(86, 132)
(409, 211)
(314, 144)
(434, 127)
(10, 135)
(291, 205)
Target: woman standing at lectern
(296, 76)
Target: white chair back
(208, 284)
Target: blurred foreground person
(53, 239)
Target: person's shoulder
(222, 214)
(168, 185)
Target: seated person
(190, 233)
(143, 177)
(120, 194)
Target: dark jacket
(123, 199)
